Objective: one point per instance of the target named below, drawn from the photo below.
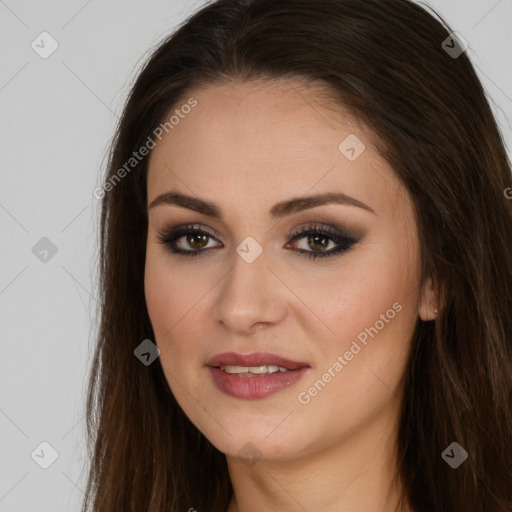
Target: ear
(427, 306)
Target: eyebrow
(279, 210)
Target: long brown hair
(385, 60)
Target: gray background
(57, 118)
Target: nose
(250, 296)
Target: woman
(305, 271)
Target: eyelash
(344, 241)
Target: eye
(191, 240)
(322, 237)
(195, 239)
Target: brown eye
(187, 240)
(318, 242)
(321, 241)
(197, 240)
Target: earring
(435, 311)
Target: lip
(257, 386)
(255, 359)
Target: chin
(254, 440)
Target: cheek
(175, 300)
(373, 312)
(158, 288)
(365, 286)
(375, 289)
(169, 293)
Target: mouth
(252, 371)
(253, 376)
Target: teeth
(258, 370)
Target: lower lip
(259, 386)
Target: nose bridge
(249, 293)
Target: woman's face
(339, 324)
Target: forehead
(261, 141)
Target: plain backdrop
(57, 118)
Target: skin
(247, 146)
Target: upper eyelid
(194, 227)
(323, 228)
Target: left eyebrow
(279, 210)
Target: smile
(251, 371)
(254, 376)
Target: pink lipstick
(253, 376)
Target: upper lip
(254, 359)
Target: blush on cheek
(159, 304)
